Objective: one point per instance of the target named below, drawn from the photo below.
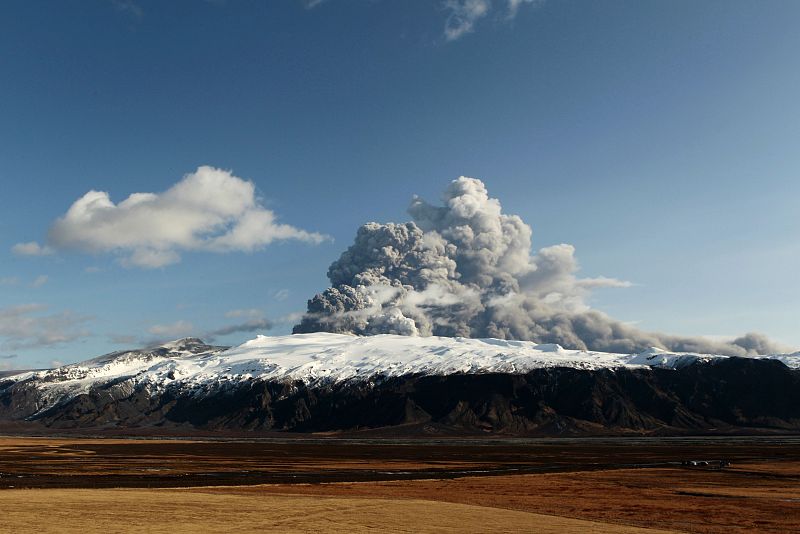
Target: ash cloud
(467, 269)
(252, 325)
(250, 320)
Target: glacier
(323, 357)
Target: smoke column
(467, 269)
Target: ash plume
(467, 269)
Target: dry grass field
(735, 500)
(122, 485)
(176, 511)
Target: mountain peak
(184, 343)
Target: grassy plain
(195, 510)
(175, 486)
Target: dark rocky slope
(726, 395)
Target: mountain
(324, 382)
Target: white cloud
(601, 282)
(514, 5)
(463, 15)
(281, 294)
(39, 281)
(208, 210)
(31, 248)
(29, 325)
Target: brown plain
(99, 485)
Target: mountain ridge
(333, 382)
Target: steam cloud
(467, 269)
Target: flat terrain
(196, 510)
(580, 485)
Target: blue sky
(659, 138)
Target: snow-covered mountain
(324, 357)
(189, 371)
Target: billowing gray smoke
(466, 269)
